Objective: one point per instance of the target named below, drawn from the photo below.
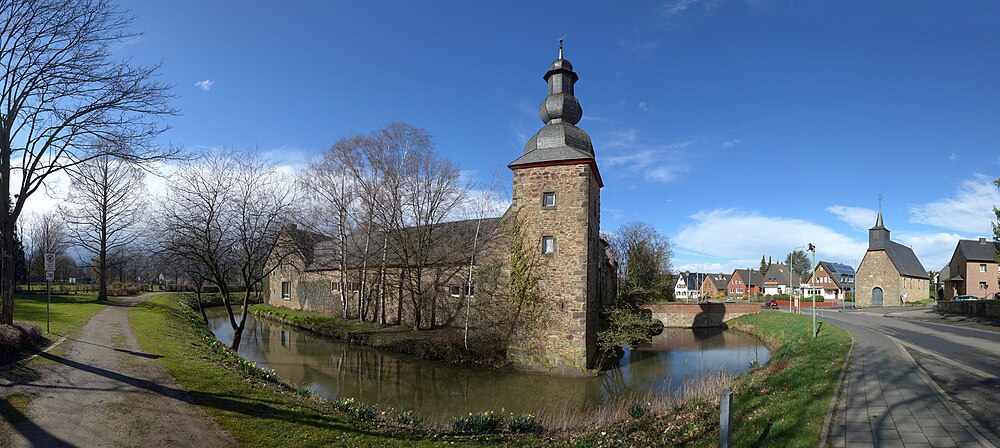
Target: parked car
(966, 298)
(771, 303)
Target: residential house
(688, 285)
(832, 280)
(973, 270)
(714, 286)
(890, 273)
(776, 280)
(745, 283)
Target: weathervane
(560, 45)
(880, 201)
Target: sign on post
(50, 276)
(50, 262)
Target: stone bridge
(700, 315)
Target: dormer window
(548, 199)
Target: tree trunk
(102, 274)
(385, 249)
(399, 304)
(201, 309)
(7, 268)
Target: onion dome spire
(560, 140)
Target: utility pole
(813, 276)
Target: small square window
(455, 290)
(286, 291)
(335, 286)
(548, 199)
(982, 268)
(548, 244)
(982, 285)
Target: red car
(771, 303)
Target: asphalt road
(962, 356)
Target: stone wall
(568, 277)
(983, 308)
(877, 270)
(700, 315)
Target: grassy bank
(256, 409)
(781, 404)
(445, 343)
(68, 312)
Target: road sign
(50, 262)
(50, 276)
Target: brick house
(832, 280)
(744, 282)
(973, 270)
(556, 204)
(890, 274)
(714, 286)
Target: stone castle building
(556, 206)
(890, 274)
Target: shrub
(19, 339)
(479, 423)
(523, 423)
(638, 410)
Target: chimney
(982, 240)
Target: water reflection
(434, 388)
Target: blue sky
(737, 128)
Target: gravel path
(99, 389)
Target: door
(877, 296)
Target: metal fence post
(726, 419)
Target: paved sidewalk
(887, 402)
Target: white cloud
(742, 238)
(953, 156)
(700, 267)
(933, 249)
(859, 218)
(730, 143)
(969, 210)
(205, 85)
(645, 107)
(679, 6)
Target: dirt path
(99, 389)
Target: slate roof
(719, 280)
(840, 270)
(755, 278)
(905, 261)
(453, 245)
(974, 250)
(305, 241)
(777, 274)
(693, 280)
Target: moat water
(334, 369)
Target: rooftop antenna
(560, 45)
(880, 201)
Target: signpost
(50, 274)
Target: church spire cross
(561, 44)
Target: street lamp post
(813, 275)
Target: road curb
(983, 435)
(828, 421)
(25, 360)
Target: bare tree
(328, 181)
(224, 214)
(421, 189)
(45, 233)
(60, 92)
(104, 207)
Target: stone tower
(878, 236)
(556, 195)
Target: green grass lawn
(781, 404)
(68, 312)
(255, 411)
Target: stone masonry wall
(560, 346)
(877, 270)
